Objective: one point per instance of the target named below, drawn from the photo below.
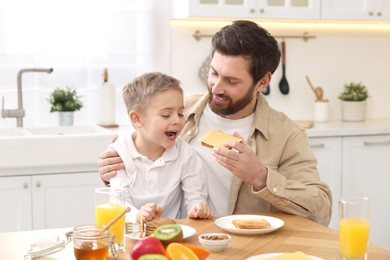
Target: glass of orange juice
(354, 227)
(109, 203)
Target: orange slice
(200, 252)
(177, 251)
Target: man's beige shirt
(293, 183)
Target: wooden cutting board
(305, 123)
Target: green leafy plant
(65, 99)
(354, 92)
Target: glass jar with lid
(91, 242)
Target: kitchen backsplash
(331, 59)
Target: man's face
(231, 87)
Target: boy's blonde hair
(137, 94)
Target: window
(79, 38)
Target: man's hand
(109, 162)
(200, 210)
(242, 162)
(148, 212)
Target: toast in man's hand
(217, 138)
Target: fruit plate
(266, 256)
(187, 232)
(226, 224)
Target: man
(274, 169)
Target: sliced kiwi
(153, 257)
(169, 233)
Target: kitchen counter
(340, 128)
(41, 155)
(331, 128)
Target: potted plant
(65, 101)
(353, 102)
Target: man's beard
(232, 108)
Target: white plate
(262, 256)
(226, 224)
(187, 232)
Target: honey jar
(91, 242)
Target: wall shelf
(305, 36)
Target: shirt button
(274, 189)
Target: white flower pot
(65, 118)
(353, 111)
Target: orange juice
(107, 212)
(353, 237)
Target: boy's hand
(200, 210)
(149, 212)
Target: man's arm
(109, 162)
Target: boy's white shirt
(176, 178)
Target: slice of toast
(217, 138)
(257, 223)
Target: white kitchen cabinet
(375, 10)
(48, 200)
(15, 198)
(366, 172)
(328, 153)
(246, 9)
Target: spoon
(283, 84)
(318, 91)
(115, 220)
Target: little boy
(162, 172)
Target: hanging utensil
(203, 71)
(283, 84)
(318, 91)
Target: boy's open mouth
(171, 133)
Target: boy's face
(162, 120)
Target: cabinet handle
(379, 13)
(252, 10)
(376, 143)
(370, 13)
(38, 184)
(261, 10)
(25, 185)
(317, 145)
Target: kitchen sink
(66, 130)
(7, 132)
(51, 149)
(49, 131)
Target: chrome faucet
(20, 112)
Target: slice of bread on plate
(217, 138)
(258, 223)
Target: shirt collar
(168, 155)
(262, 114)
